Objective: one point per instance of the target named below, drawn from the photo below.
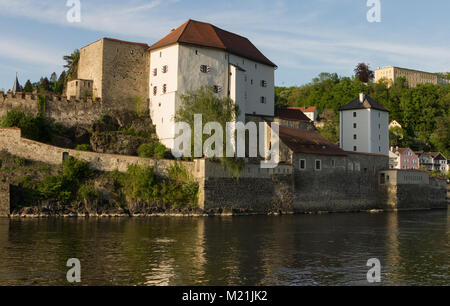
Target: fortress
(313, 175)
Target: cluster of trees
(55, 84)
(423, 111)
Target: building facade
(413, 77)
(405, 159)
(364, 126)
(433, 161)
(197, 55)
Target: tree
(363, 72)
(72, 64)
(28, 87)
(61, 83)
(44, 85)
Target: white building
(199, 54)
(364, 126)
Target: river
(330, 249)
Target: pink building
(406, 158)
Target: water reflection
(290, 250)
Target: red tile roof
(301, 141)
(207, 35)
(307, 109)
(291, 114)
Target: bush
(36, 128)
(84, 147)
(179, 189)
(140, 184)
(20, 161)
(88, 193)
(153, 150)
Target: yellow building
(413, 77)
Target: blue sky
(303, 37)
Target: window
(251, 82)
(379, 149)
(164, 88)
(155, 72)
(318, 165)
(155, 90)
(355, 149)
(160, 54)
(333, 163)
(205, 69)
(76, 83)
(354, 114)
(354, 125)
(132, 52)
(196, 52)
(263, 100)
(256, 66)
(165, 69)
(263, 83)
(302, 165)
(355, 137)
(217, 89)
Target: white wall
(372, 131)
(184, 75)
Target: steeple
(16, 86)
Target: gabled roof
(307, 109)
(401, 150)
(368, 103)
(291, 114)
(309, 142)
(207, 35)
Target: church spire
(16, 86)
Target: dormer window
(263, 83)
(205, 69)
(165, 69)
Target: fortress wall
(11, 142)
(125, 73)
(64, 111)
(350, 185)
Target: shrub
(20, 161)
(179, 189)
(140, 184)
(146, 150)
(88, 193)
(36, 128)
(84, 147)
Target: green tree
(28, 87)
(72, 65)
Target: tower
(16, 86)
(364, 126)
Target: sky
(303, 37)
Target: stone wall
(5, 200)
(64, 111)
(344, 183)
(11, 142)
(411, 189)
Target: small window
(354, 125)
(333, 163)
(256, 66)
(302, 164)
(155, 72)
(76, 83)
(160, 54)
(131, 51)
(217, 89)
(263, 100)
(354, 114)
(155, 90)
(263, 83)
(196, 52)
(382, 179)
(318, 165)
(165, 69)
(355, 137)
(205, 69)
(355, 149)
(251, 82)
(164, 88)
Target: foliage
(140, 184)
(84, 147)
(28, 87)
(423, 111)
(20, 161)
(72, 65)
(89, 193)
(213, 109)
(179, 189)
(36, 128)
(363, 72)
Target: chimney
(362, 97)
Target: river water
(413, 248)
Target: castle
(313, 174)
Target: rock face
(116, 143)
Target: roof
(207, 35)
(291, 114)
(401, 150)
(368, 103)
(307, 109)
(16, 86)
(309, 142)
(119, 41)
(432, 154)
